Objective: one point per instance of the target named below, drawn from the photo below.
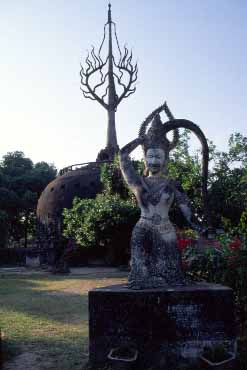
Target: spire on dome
(109, 13)
(115, 69)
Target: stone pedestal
(166, 324)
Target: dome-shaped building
(81, 181)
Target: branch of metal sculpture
(88, 91)
(124, 65)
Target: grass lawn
(45, 319)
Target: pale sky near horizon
(191, 53)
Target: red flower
(236, 244)
(183, 243)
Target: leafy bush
(222, 262)
(106, 221)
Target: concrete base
(167, 326)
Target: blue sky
(191, 53)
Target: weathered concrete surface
(166, 325)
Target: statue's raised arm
(131, 177)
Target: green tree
(228, 182)
(186, 169)
(112, 179)
(21, 183)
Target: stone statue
(155, 257)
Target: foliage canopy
(21, 183)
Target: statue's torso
(155, 197)
(155, 258)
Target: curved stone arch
(184, 123)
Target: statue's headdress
(156, 137)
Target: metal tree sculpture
(110, 72)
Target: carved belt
(156, 219)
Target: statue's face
(155, 160)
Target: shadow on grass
(48, 353)
(24, 296)
(48, 315)
(48, 297)
(8, 352)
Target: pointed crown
(156, 136)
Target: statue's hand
(128, 148)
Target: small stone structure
(33, 260)
(167, 326)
